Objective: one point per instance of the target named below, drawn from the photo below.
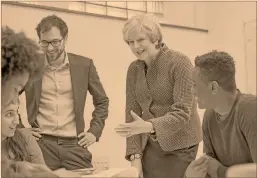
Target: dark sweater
(232, 140)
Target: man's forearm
(242, 170)
(221, 172)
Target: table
(130, 172)
(117, 172)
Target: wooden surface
(112, 172)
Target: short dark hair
(218, 66)
(48, 22)
(19, 54)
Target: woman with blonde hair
(162, 124)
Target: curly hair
(217, 66)
(19, 54)
(52, 21)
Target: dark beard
(57, 57)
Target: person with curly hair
(19, 62)
(229, 123)
(21, 155)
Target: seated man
(229, 123)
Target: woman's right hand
(36, 133)
(137, 163)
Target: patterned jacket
(163, 95)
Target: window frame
(67, 10)
(126, 7)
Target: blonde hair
(143, 23)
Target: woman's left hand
(138, 126)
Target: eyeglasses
(54, 43)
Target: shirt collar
(66, 61)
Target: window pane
(28, 2)
(59, 4)
(77, 6)
(155, 7)
(140, 5)
(96, 9)
(97, 2)
(133, 13)
(150, 6)
(160, 7)
(116, 12)
(117, 4)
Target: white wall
(226, 32)
(191, 14)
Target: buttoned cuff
(95, 133)
(132, 151)
(127, 157)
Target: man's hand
(36, 133)
(213, 166)
(86, 139)
(136, 163)
(138, 126)
(197, 168)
